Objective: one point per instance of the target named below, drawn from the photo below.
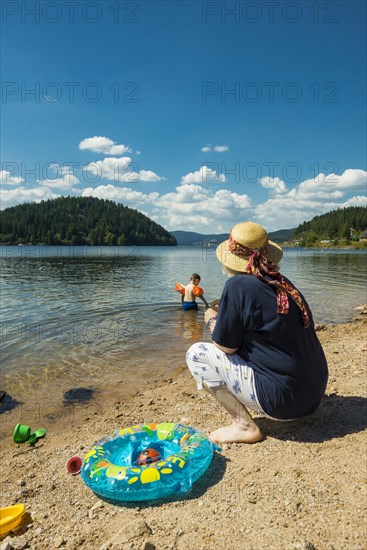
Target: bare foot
(236, 433)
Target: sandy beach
(301, 488)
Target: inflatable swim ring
(110, 469)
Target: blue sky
(199, 114)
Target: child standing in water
(191, 291)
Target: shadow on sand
(337, 416)
(7, 402)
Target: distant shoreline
(357, 246)
(292, 246)
(87, 244)
(328, 246)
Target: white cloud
(148, 175)
(102, 144)
(358, 200)
(65, 178)
(328, 187)
(216, 148)
(203, 175)
(185, 193)
(120, 169)
(310, 198)
(350, 180)
(278, 213)
(111, 168)
(8, 179)
(120, 194)
(276, 185)
(11, 197)
(196, 222)
(194, 207)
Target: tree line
(80, 221)
(346, 224)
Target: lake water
(108, 318)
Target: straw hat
(252, 236)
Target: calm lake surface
(107, 317)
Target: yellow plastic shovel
(10, 517)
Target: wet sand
(302, 488)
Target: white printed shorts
(209, 364)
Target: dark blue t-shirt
(289, 364)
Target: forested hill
(80, 221)
(190, 238)
(344, 223)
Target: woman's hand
(212, 314)
(209, 313)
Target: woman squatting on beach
(265, 356)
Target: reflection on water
(190, 327)
(109, 317)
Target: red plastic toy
(148, 456)
(73, 465)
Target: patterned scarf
(263, 268)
